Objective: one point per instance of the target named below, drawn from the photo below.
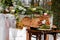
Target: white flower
(33, 9)
(23, 12)
(1, 8)
(45, 13)
(14, 3)
(13, 10)
(7, 10)
(20, 8)
(24, 9)
(44, 21)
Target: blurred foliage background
(56, 9)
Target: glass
(35, 3)
(45, 4)
(26, 3)
(14, 33)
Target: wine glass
(14, 33)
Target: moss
(45, 27)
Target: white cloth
(5, 21)
(2, 27)
(19, 34)
(9, 22)
(12, 20)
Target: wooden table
(38, 33)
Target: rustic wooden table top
(47, 31)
